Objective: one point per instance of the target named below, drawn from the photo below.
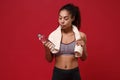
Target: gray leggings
(60, 74)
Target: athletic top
(66, 49)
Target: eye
(60, 18)
(66, 18)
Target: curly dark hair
(75, 12)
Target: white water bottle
(44, 39)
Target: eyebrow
(64, 16)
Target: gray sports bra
(66, 49)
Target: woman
(66, 65)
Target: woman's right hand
(49, 45)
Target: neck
(67, 30)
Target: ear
(73, 18)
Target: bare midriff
(66, 62)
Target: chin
(63, 27)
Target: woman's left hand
(81, 42)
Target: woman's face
(65, 19)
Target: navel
(65, 66)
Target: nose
(62, 21)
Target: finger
(46, 44)
(79, 42)
(50, 45)
(83, 43)
(76, 43)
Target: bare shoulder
(83, 35)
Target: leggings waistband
(68, 70)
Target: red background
(22, 54)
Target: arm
(48, 54)
(82, 42)
(84, 55)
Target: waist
(64, 70)
(66, 62)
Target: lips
(62, 26)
